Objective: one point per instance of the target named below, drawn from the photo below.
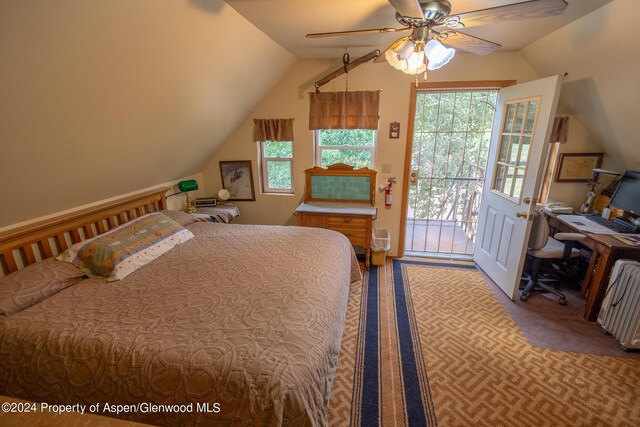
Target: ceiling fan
(433, 27)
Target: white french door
(521, 129)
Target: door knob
(522, 214)
(527, 200)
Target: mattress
(240, 325)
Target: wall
(174, 201)
(600, 54)
(103, 98)
(579, 140)
(288, 98)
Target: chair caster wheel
(563, 301)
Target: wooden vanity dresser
(342, 199)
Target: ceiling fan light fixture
(398, 57)
(415, 63)
(395, 60)
(437, 54)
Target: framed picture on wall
(577, 167)
(238, 179)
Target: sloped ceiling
(101, 98)
(600, 53)
(287, 22)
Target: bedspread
(244, 319)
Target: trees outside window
(354, 147)
(276, 166)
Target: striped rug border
(366, 400)
(366, 406)
(418, 404)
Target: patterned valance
(273, 130)
(344, 110)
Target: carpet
(428, 343)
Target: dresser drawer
(347, 221)
(357, 236)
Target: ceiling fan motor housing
(434, 11)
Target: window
(515, 140)
(276, 164)
(354, 147)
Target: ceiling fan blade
(408, 8)
(356, 32)
(395, 44)
(525, 10)
(462, 41)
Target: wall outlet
(386, 168)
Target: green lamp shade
(188, 185)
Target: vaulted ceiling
(102, 98)
(594, 41)
(288, 21)
(599, 52)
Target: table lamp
(587, 206)
(185, 187)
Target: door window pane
(513, 153)
(517, 185)
(515, 143)
(504, 148)
(531, 117)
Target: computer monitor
(627, 195)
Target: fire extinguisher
(387, 196)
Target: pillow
(121, 251)
(35, 283)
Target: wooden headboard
(26, 245)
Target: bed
(240, 325)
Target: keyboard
(612, 225)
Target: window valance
(272, 130)
(344, 110)
(560, 130)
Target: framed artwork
(577, 167)
(238, 179)
(394, 130)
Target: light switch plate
(386, 168)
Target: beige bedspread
(246, 317)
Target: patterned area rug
(427, 343)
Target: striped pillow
(121, 251)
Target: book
(629, 239)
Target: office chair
(544, 252)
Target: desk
(606, 250)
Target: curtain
(560, 130)
(272, 130)
(344, 110)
